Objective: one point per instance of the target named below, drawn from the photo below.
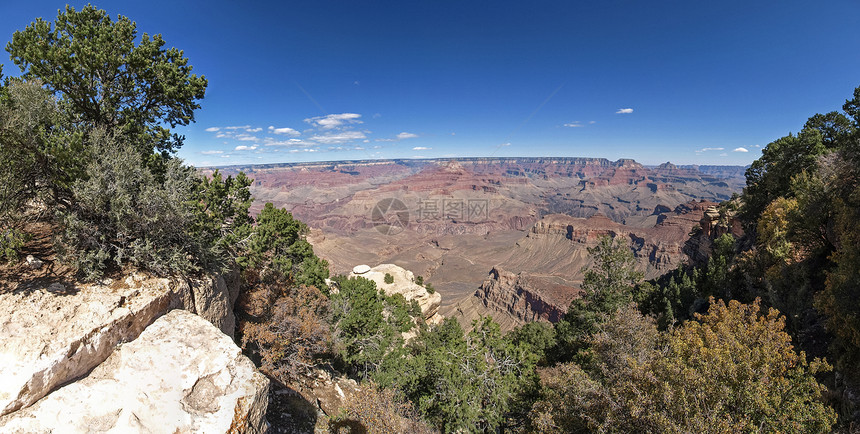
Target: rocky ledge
(180, 375)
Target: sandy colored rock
(48, 338)
(404, 284)
(212, 301)
(180, 375)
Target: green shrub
(430, 288)
(389, 279)
(123, 215)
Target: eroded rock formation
(403, 284)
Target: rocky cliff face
(542, 272)
(526, 298)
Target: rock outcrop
(526, 298)
(52, 337)
(403, 284)
(180, 375)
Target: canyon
(506, 237)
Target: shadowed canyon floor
(500, 236)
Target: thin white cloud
(709, 149)
(245, 148)
(592, 122)
(575, 124)
(241, 127)
(724, 155)
(213, 129)
(328, 122)
(421, 148)
(247, 138)
(506, 144)
(624, 111)
(284, 130)
(404, 135)
(741, 149)
(211, 152)
(338, 137)
(253, 130)
(221, 135)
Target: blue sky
(681, 81)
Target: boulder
(180, 375)
(51, 336)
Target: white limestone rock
(50, 337)
(404, 284)
(180, 375)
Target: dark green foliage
(607, 286)
(770, 176)
(419, 280)
(368, 324)
(277, 251)
(430, 288)
(538, 337)
(801, 203)
(464, 383)
(105, 80)
(672, 297)
(389, 279)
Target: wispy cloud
(284, 130)
(328, 122)
(247, 138)
(253, 130)
(404, 135)
(624, 111)
(338, 137)
(245, 148)
(421, 148)
(699, 151)
(213, 129)
(574, 124)
(506, 144)
(241, 127)
(740, 150)
(211, 152)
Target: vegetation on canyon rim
(731, 344)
